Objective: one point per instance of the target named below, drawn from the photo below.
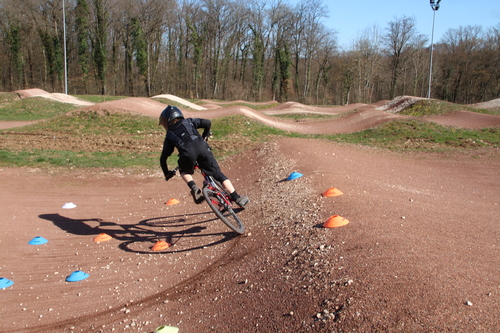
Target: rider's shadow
(145, 231)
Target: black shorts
(200, 153)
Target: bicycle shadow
(145, 233)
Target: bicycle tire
(227, 215)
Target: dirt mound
(138, 105)
(180, 100)
(493, 104)
(412, 258)
(63, 98)
(399, 103)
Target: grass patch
(253, 130)
(99, 98)
(424, 108)
(91, 122)
(301, 116)
(62, 158)
(248, 105)
(33, 108)
(8, 97)
(417, 135)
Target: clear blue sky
(350, 18)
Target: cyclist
(182, 133)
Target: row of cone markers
(333, 222)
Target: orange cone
(102, 238)
(160, 246)
(335, 221)
(172, 202)
(332, 192)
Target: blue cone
(294, 175)
(4, 283)
(37, 241)
(77, 276)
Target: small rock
(469, 303)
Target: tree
(13, 39)
(82, 26)
(99, 41)
(462, 47)
(398, 39)
(140, 48)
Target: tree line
(253, 50)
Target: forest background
(253, 50)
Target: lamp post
(435, 7)
(64, 43)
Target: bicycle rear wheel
(227, 215)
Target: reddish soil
(420, 252)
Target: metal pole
(65, 60)
(435, 7)
(432, 51)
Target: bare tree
(368, 58)
(461, 47)
(399, 37)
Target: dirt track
(420, 252)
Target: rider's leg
(241, 200)
(187, 177)
(228, 186)
(195, 190)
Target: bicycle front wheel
(227, 215)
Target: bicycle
(219, 201)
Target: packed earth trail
(412, 258)
(420, 251)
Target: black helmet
(170, 113)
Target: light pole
(64, 43)
(435, 7)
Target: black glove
(206, 136)
(169, 175)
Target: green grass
(417, 135)
(62, 158)
(435, 107)
(33, 108)
(300, 116)
(99, 98)
(8, 97)
(248, 105)
(253, 130)
(90, 122)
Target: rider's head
(168, 116)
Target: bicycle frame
(213, 185)
(220, 202)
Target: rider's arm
(168, 149)
(206, 124)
